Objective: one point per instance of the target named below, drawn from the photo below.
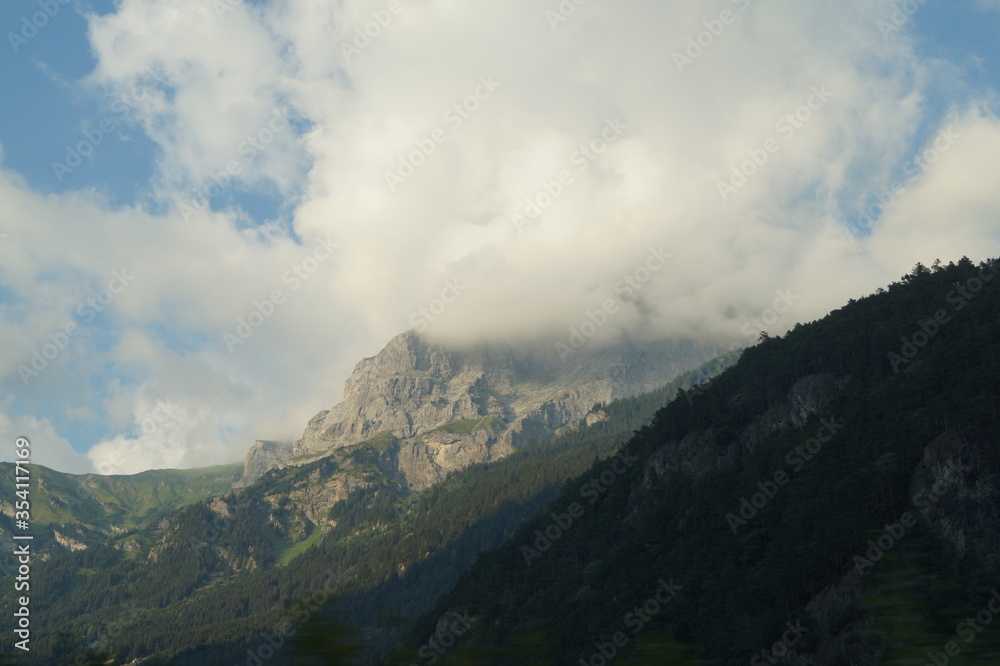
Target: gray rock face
(449, 408)
(955, 490)
(262, 457)
(806, 397)
(700, 452)
(426, 460)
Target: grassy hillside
(113, 505)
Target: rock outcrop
(704, 451)
(955, 491)
(262, 456)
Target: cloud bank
(481, 172)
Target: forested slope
(831, 499)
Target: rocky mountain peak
(448, 408)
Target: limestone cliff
(449, 408)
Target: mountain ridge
(452, 407)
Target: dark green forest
(911, 365)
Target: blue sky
(165, 94)
(58, 109)
(53, 108)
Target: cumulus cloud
(744, 145)
(75, 345)
(47, 448)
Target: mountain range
(413, 416)
(826, 497)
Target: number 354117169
(21, 478)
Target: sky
(210, 210)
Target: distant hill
(74, 511)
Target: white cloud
(954, 209)
(166, 435)
(353, 117)
(162, 335)
(47, 448)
